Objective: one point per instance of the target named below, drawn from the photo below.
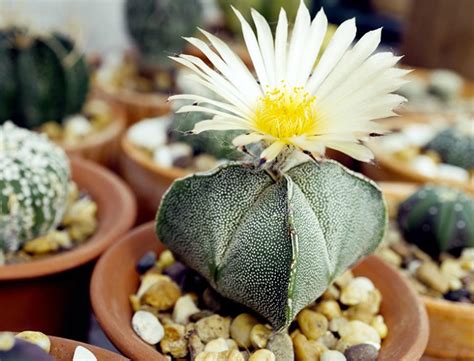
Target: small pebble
(307, 350)
(241, 327)
(146, 262)
(329, 309)
(232, 355)
(361, 352)
(328, 340)
(217, 345)
(148, 327)
(168, 155)
(332, 355)
(282, 346)
(429, 274)
(378, 323)
(83, 354)
(312, 324)
(355, 332)
(213, 327)
(149, 133)
(183, 309)
(259, 335)
(174, 341)
(356, 291)
(461, 295)
(162, 295)
(38, 338)
(7, 340)
(262, 355)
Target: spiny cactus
(34, 175)
(455, 145)
(157, 27)
(43, 77)
(273, 244)
(438, 219)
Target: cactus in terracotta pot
(274, 232)
(157, 26)
(34, 182)
(455, 145)
(438, 219)
(44, 77)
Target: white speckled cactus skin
(273, 245)
(34, 175)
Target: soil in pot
(445, 280)
(47, 294)
(36, 346)
(112, 306)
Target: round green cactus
(43, 78)
(455, 146)
(34, 180)
(157, 27)
(438, 219)
(273, 244)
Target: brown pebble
(162, 295)
(361, 352)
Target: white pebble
(394, 142)
(149, 133)
(38, 338)
(148, 327)
(217, 345)
(357, 291)
(183, 309)
(356, 332)
(77, 125)
(419, 134)
(453, 172)
(83, 354)
(166, 154)
(332, 355)
(424, 165)
(447, 81)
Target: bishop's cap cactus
(34, 178)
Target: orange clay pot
(63, 350)
(50, 295)
(115, 278)
(451, 323)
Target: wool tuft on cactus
(273, 233)
(438, 219)
(34, 178)
(44, 77)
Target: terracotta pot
(115, 278)
(49, 295)
(389, 168)
(451, 323)
(136, 105)
(63, 349)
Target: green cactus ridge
(43, 78)
(438, 219)
(34, 182)
(272, 245)
(455, 147)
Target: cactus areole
(274, 233)
(34, 178)
(43, 77)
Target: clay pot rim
(126, 340)
(400, 190)
(139, 157)
(59, 343)
(125, 212)
(390, 162)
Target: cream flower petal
(200, 99)
(197, 108)
(217, 124)
(281, 38)
(271, 152)
(265, 40)
(245, 139)
(356, 151)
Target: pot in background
(451, 323)
(50, 295)
(115, 278)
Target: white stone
(150, 133)
(183, 309)
(395, 142)
(217, 345)
(83, 354)
(356, 332)
(262, 355)
(419, 134)
(166, 154)
(148, 327)
(332, 355)
(415, 88)
(77, 125)
(38, 338)
(453, 172)
(446, 81)
(424, 165)
(357, 291)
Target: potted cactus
(140, 80)
(421, 150)
(432, 242)
(45, 87)
(266, 237)
(53, 225)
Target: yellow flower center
(284, 113)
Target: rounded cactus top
(34, 178)
(438, 219)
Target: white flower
(294, 102)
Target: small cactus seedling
(273, 233)
(43, 77)
(438, 219)
(455, 145)
(34, 176)
(157, 27)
